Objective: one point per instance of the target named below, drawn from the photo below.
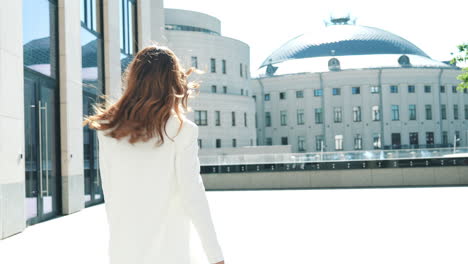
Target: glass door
(41, 148)
(93, 187)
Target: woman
(150, 171)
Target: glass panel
(132, 28)
(31, 148)
(49, 138)
(82, 10)
(121, 28)
(40, 36)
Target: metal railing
(332, 156)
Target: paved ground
(365, 226)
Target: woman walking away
(148, 155)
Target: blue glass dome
(342, 40)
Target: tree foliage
(462, 56)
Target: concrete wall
(12, 168)
(398, 177)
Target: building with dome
(354, 87)
(224, 110)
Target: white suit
(154, 196)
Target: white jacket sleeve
(192, 191)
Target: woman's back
(152, 194)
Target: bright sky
(436, 27)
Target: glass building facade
(41, 107)
(92, 74)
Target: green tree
(462, 56)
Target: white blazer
(154, 197)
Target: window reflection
(128, 32)
(40, 36)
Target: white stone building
(224, 110)
(58, 57)
(352, 87)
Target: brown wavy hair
(155, 86)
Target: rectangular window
(357, 114)
(217, 118)
(319, 143)
(245, 119)
(201, 117)
(442, 89)
(234, 143)
(194, 62)
(455, 112)
(268, 141)
(283, 118)
(337, 114)
(300, 94)
(301, 143)
(318, 92)
(444, 138)
(376, 142)
(199, 143)
(375, 113)
(224, 66)
(246, 71)
(128, 25)
(427, 88)
(318, 116)
(282, 95)
(430, 138)
(213, 65)
(374, 89)
(466, 111)
(428, 108)
(413, 138)
(218, 143)
(213, 88)
(412, 112)
(256, 124)
(358, 142)
(336, 91)
(242, 91)
(233, 114)
(225, 89)
(339, 142)
(356, 90)
(267, 97)
(393, 89)
(457, 138)
(395, 112)
(411, 89)
(454, 89)
(396, 140)
(443, 112)
(268, 119)
(284, 140)
(300, 116)
(240, 70)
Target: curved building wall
(443, 129)
(191, 19)
(232, 92)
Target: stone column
(150, 22)
(12, 170)
(157, 22)
(71, 106)
(112, 72)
